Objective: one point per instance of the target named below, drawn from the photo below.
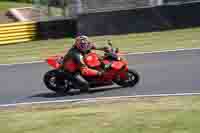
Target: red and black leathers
(78, 58)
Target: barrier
(159, 18)
(17, 32)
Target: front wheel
(56, 81)
(133, 79)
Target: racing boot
(81, 83)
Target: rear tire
(56, 81)
(133, 79)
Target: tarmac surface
(161, 73)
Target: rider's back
(75, 55)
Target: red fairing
(88, 72)
(125, 62)
(106, 61)
(108, 76)
(117, 65)
(53, 61)
(123, 75)
(92, 60)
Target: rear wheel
(56, 81)
(133, 79)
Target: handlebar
(111, 50)
(111, 53)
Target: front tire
(56, 81)
(133, 79)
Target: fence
(73, 8)
(140, 20)
(111, 5)
(17, 32)
(179, 1)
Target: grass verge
(137, 115)
(5, 5)
(143, 42)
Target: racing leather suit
(78, 58)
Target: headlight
(118, 58)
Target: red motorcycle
(62, 81)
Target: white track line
(137, 53)
(31, 62)
(164, 51)
(98, 99)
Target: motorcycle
(62, 80)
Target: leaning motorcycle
(61, 80)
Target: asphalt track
(161, 73)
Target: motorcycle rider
(82, 47)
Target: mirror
(117, 50)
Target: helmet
(82, 43)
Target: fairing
(53, 61)
(117, 65)
(92, 60)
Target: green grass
(5, 5)
(144, 42)
(138, 115)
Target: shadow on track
(73, 93)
